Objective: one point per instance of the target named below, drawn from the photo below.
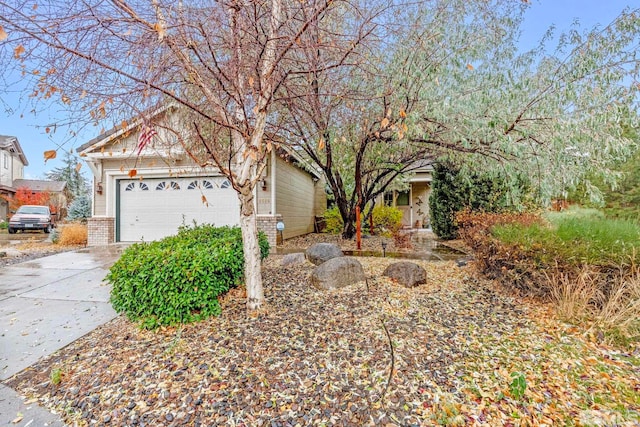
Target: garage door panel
(154, 208)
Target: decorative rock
(461, 262)
(337, 273)
(406, 273)
(322, 252)
(293, 259)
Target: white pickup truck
(32, 217)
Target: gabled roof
(40, 185)
(11, 144)
(116, 131)
(285, 152)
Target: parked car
(32, 217)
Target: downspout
(273, 182)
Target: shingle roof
(39, 185)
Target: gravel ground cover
(456, 351)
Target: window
(388, 198)
(166, 186)
(225, 184)
(402, 199)
(5, 158)
(208, 185)
(192, 185)
(132, 186)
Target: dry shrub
(609, 303)
(573, 295)
(602, 297)
(475, 227)
(509, 264)
(621, 309)
(402, 240)
(73, 234)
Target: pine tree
(79, 209)
(70, 172)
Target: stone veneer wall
(101, 231)
(267, 223)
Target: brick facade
(267, 224)
(101, 231)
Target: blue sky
(34, 141)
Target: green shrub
(179, 279)
(387, 219)
(445, 201)
(453, 190)
(4, 225)
(333, 221)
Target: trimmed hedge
(179, 279)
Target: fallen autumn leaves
(323, 358)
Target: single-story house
(414, 202)
(56, 190)
(170, 189)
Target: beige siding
(6, 174)
(320, 194)
(13, 170)
(295, 196)
(263, 194)
(100, 202)
(18, 167)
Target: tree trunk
(252, 267)
(349, 229)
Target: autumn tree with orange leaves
(26, 196)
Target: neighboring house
(56, 190)
(12, 163)
(414, 202)
(169, 189)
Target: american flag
(146, 135)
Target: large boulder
(337, 273)
(406, 273)
(322, 252)
(293, 259)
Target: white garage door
(151, 209)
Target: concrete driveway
(46, 304)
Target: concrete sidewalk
(46, 304)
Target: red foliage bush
(507, 263)
(26, 196)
